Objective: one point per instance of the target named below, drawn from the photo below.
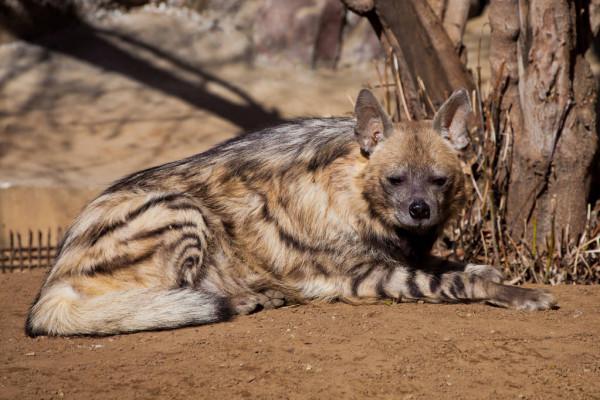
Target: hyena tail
(60, 310)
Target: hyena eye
(396, 180)
(439, 180)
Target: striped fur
(290, 214)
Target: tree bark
(537, 50)
(438, 7)
(329, 35)
(424, 51)
(454, 15)
(455, 20)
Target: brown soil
(80, 113)
(401, 351)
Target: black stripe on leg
(187, 206)
(473, 281)
(413, 288)
(459, 286)
(434, 283)
(380, 289)
(357, 280)
(452, 291)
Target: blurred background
(91, 90)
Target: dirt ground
(76, 114)
(401, 351)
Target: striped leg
(447, 282)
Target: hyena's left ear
(451, 119)
(372, 123)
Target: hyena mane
(313, 210)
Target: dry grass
(481, 234)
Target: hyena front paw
(535, 299)
(486, 272)
(522, 298)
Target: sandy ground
(87, 106)
(401, 351)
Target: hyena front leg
(486, 272)
(447, 282)
(489, 281)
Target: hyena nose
(418, 209)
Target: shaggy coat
(313, 210)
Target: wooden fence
(33, 250)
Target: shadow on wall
(97, 47)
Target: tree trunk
(537, 51)
(329, 36)
(423, 49)
(455, 20)
(454, 15)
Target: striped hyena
(314, 210)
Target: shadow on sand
(100, 48)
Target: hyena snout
(419, 210)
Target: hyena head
(413, 179)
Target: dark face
(418, 195)
(414, 180)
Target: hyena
(314, 210)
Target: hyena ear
(451, 119)
(372, 123)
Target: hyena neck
(402, 244)
(416, 245)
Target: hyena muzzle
(313, 210)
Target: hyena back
(314, 210)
